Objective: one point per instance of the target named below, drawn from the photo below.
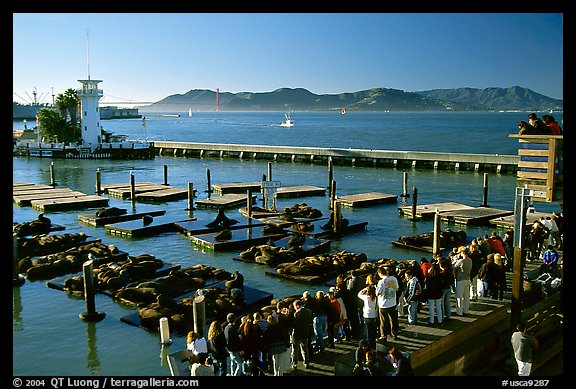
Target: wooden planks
(69, 203)
(240, 239)
(300, 191)
(137, 228)
(367, 199)
(237, 187)
(474, 216)
(101, 221)
(426, 211)
(198, 227)
(225, 201)
(309, 247)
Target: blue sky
(147, 56)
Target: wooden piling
(208, 184)
(52, 180)
(166, 175)
(405, 185)
(16, 278)
(337, 223)
(132, 188)
(414, 202)
(485, 197)
(436, 241)
(249, 205)
(330, 175)
(199, 313)
(89, 293)
(269, 171)
(190, 196)
(98, 182)
(332, 193)
(262, 192)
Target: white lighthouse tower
(89, 96)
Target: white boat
(288, 122)
(189, 112)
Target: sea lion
(236, 282)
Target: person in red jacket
(552, 124)
(496, 243)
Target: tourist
(369, 314)
(552, 124)
(275, 343)
(538, 124)
(550, 261)
(462, 268)
(250, 343)
(400, 363)
(447, 278)
(285, 318)
(500, 282)
(488, 274)
(197, 347)
(476, 258)
(311, 303)
(386, 291)
(425, 266)
(233, 346)
(433, 292)
(523, 345)
(355, 284)
(360, 357)
(413, 290)
(216, 343)
(300, 334)
(342, 292)
(205, 368)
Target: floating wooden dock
(146, 191)
(255, 299)
(300, 191)
(101, 221)
(428, 249)
(509, 222)
(237, 187)
(474, 216)
(310, 246)
(225, 201)
(367, 199)
(259, 213)
(279, 222)
(241, 239)
(198, 227)
(137, 228)
(70, 203)
(47, 198)
(427, 211)
(318, 233)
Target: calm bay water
(50, 339)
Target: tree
(53, 125)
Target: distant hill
(513, 98)
(376, 99)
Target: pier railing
(541, 166)
(360, 157)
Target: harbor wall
(340, 156)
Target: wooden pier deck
(310, 246)
(92, 220)
(230, 200)
(427, 211)
(198, 227)
(237, 187)
(508, 221)
(137, 228)
(70, 203)
(162, 195)
(255, 299)
(241, 239)
(300, 191)
(47, 198)
(474, 216)
(367, 199)
(319, 233)
(122, 191)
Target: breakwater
(343, 156)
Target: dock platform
(310, 246)
(241, 239)
(428, 249)
(319, 233)
(300, 191)
(137, 228)
(367, 199)
(92, 220)
(237, 187)
(226, 201)
(70, 203)
(255, 299)
(122, 191)
(508, 221)
(198, 227)
(427, 211)
(474, 216)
